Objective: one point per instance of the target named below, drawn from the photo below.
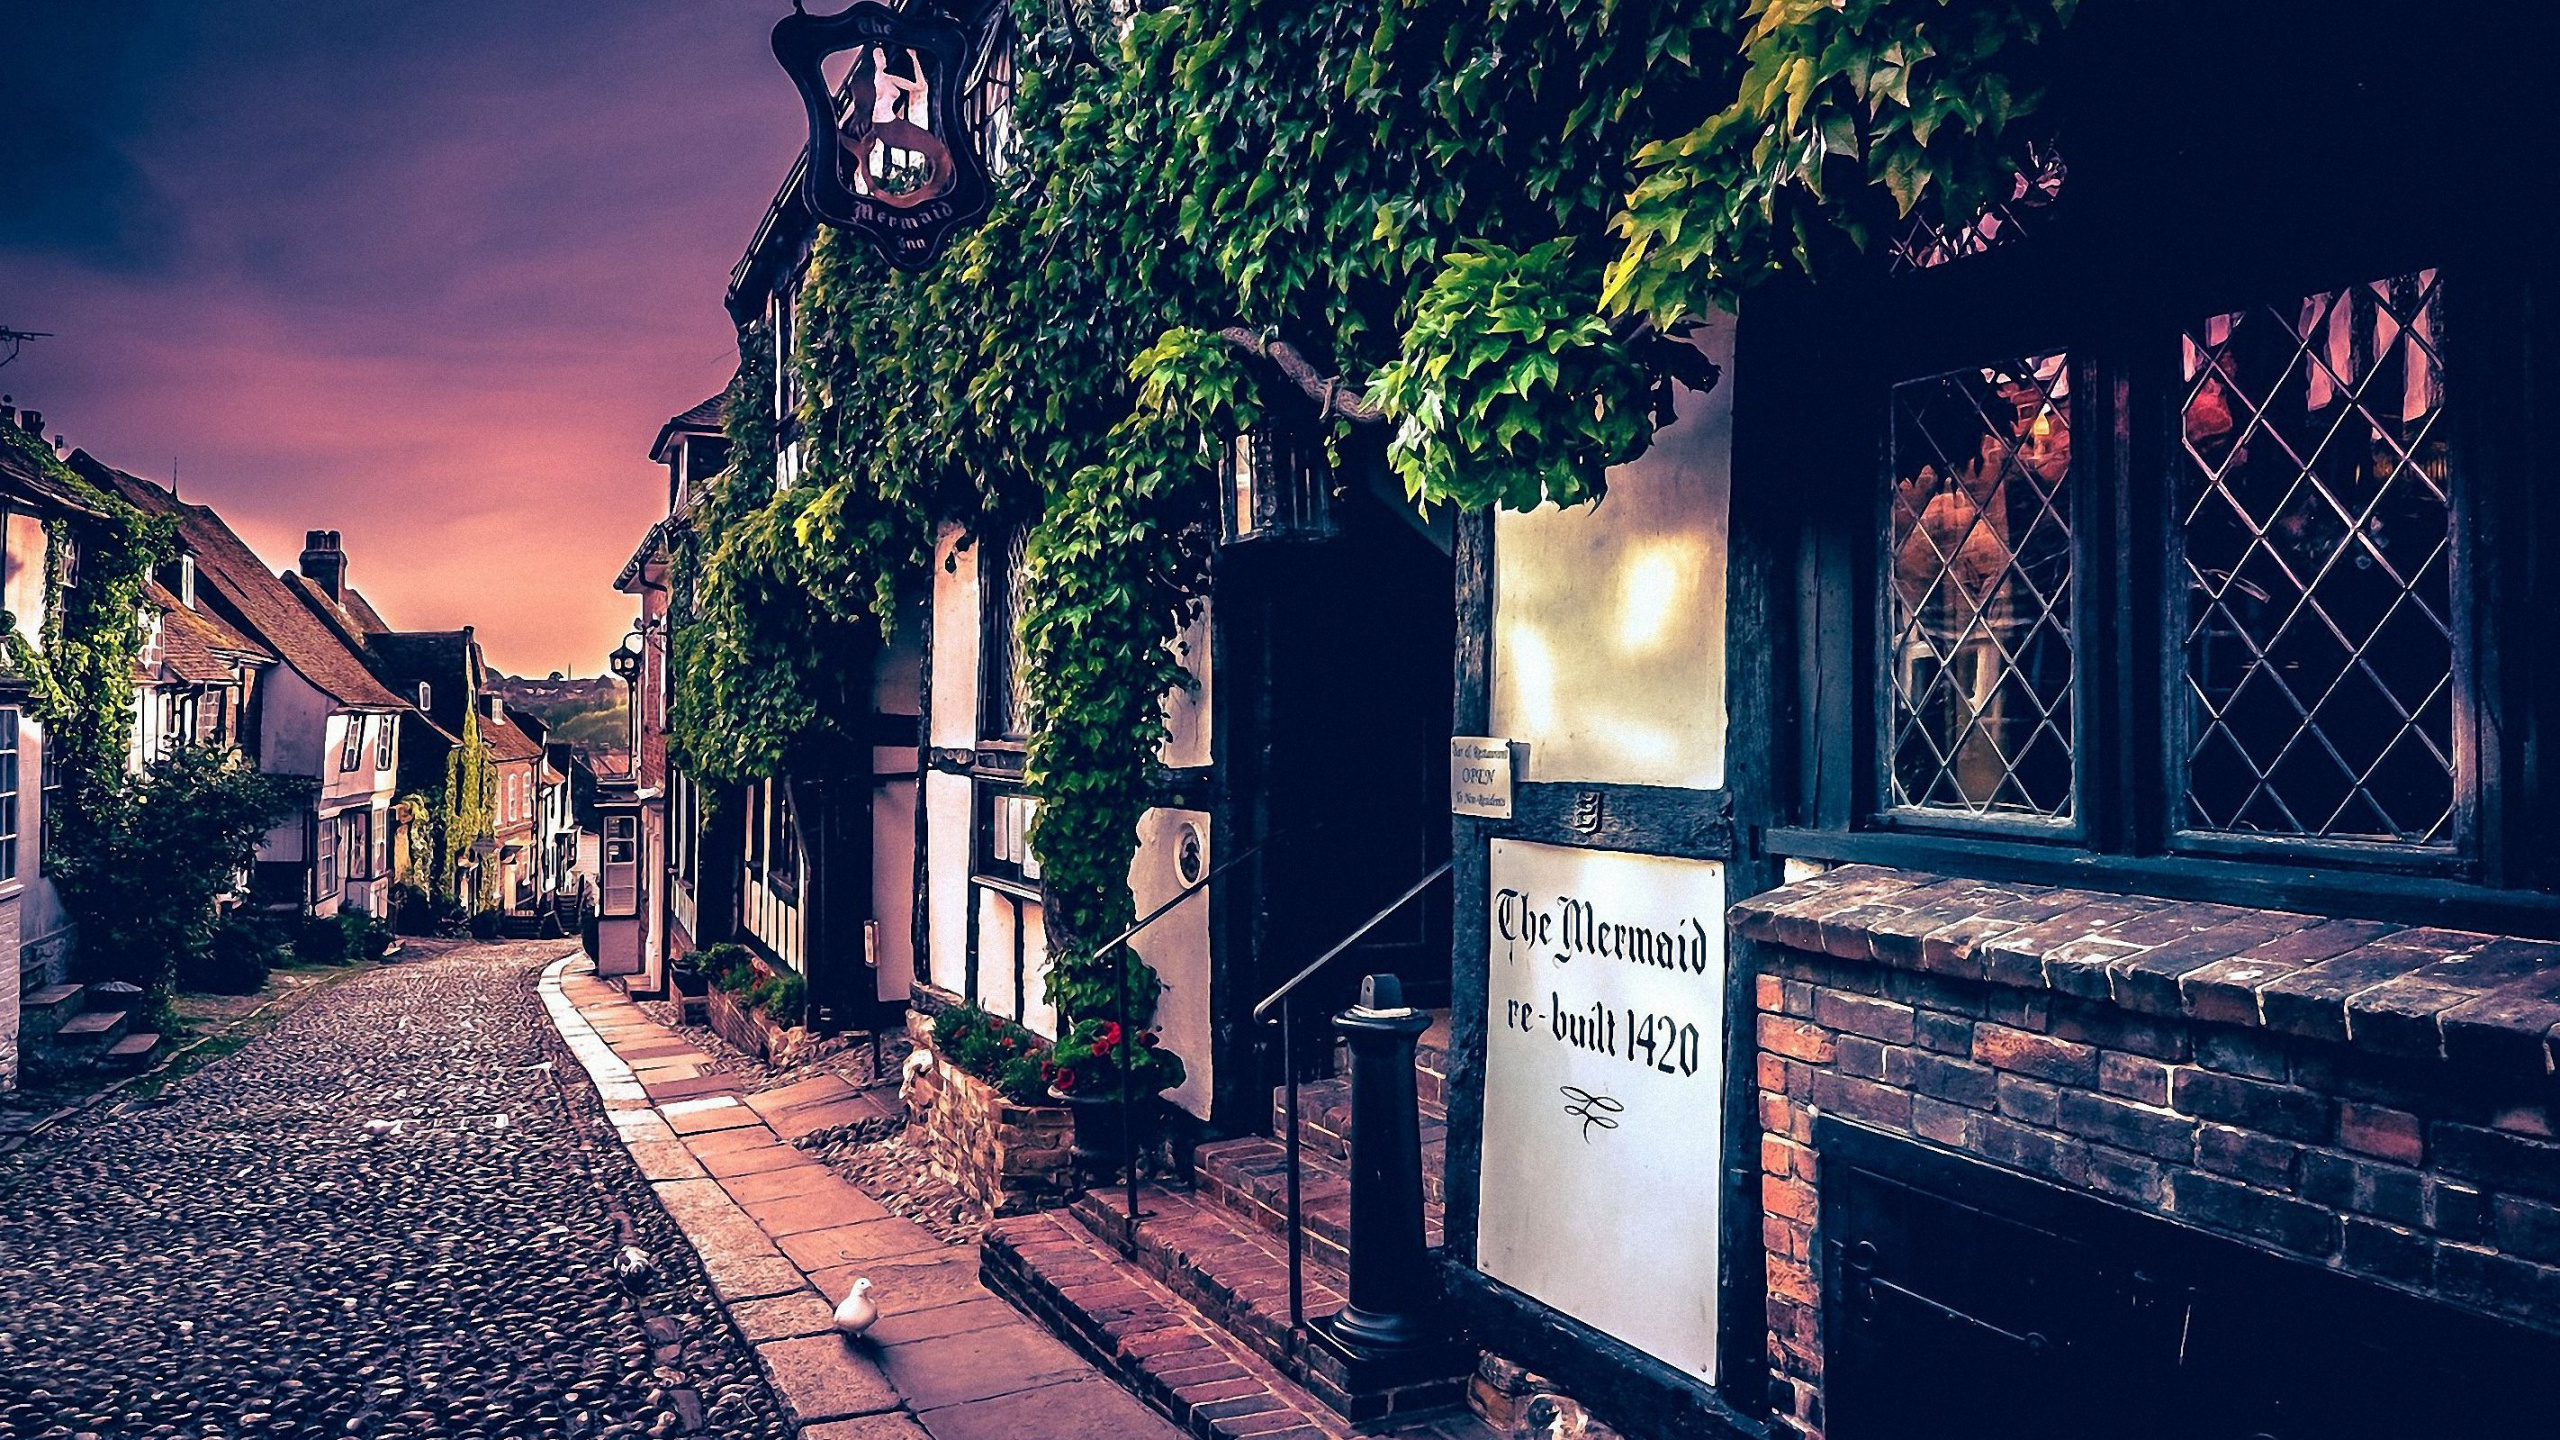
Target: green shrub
(245, 947)
(366, 937)
(784, 998)
(486, 924)
(731, 967)
(320, 941)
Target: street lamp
(625, 660)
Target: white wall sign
(1480, 776)
(1602, 1183)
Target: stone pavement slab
(1086, 1409)
(781, 1238)
(822, 1378)
(978, 1365)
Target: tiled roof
(368, 619)
(506, 742)
(195, 647)
(23, 478)
(707, 418)
(252, 597)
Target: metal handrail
(1262, 1010)
(1286, 998)
(1128, 1131)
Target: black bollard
(1392, 1290)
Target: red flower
(1064, 1080)
(1147, 1038)
(1107, 1038)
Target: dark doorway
(1334, 744)
(1964, 1300)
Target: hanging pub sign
(891, 155)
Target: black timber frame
(1628, 1388)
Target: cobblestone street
(240, 1256)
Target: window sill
(2409, 895)
(2425, 992)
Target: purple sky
(429, 273)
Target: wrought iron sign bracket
(890, 156)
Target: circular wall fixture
(1191, 854)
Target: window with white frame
(8, 794)
(328, 857)
(351, 748)
(384, 750)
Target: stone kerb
(1008, 1157)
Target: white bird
(635, 1268)
(857, 1312)
(376, 1131)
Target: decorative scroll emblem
(1594, 1111)
(889, 155)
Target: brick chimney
(324, 563)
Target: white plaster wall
(893, 869)
(22, 587)
(1038, 1014)
(996, 991)
(1186, 712)
(955, 644)
(293, 728)
(1608, 620)
(946, 801)
(1177, 946)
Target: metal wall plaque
(890, 156)
(1480, 776)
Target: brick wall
(2302, 1101)
(1009, 1158)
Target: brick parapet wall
(2341, 1100)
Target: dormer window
(187, 581)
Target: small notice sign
(1480, 776)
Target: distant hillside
(587, 712)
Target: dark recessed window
(1004, 667)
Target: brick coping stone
(2463, 997)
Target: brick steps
(1161, 1342)
(1324, 1128)
(1250, 1177)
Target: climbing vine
(1487, 218)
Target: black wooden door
(1965, 1301)
(1352, 724)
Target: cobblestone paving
(238, 1259)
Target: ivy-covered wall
(1487, 219)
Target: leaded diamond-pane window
(2316, 520)
(1978, 601)
(1929, 239)
(1005, 665)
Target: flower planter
(749, 1030)
(1009, 1157)
(1102, 1132)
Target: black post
(1391, 1281)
